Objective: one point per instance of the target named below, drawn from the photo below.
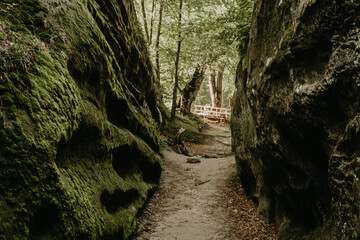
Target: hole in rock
(351, 144)
(118, 199)
(124, 158)
(83, 143)
(128, 159)
(44, 222)
(117, 110)
(151, 171)
(310, 64)
(94, 77)
(116, 235)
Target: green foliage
(220, 132)
(214, 32)
(236, 24)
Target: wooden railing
(212, 112)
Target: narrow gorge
(84, 127)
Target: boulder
(295, 121)
(193, 160)
(79, 140)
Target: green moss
(191, 126)
(51, 106)
(25, 16)
(248, 131)
(221, 132)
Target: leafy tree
(191, 89)
(214, 33)
(236, 24)
(177, 59)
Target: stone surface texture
(79, 146)
(296, 120)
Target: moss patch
(61, 141)
(192, 127)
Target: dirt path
(190, 202)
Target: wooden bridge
(216, 113)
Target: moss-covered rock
(296, 120)
(78, 143)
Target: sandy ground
(182, 209)
(191, 202)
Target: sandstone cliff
(296, 121)
(78, 141)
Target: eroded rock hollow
(78, 140)
(296, 120)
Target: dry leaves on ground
(242, 211)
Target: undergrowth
(192, 125)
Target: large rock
(296, 121)
(78, 143)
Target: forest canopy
(213, 35)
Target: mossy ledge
(78, 143)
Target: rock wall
(78, 140)
(296, 120)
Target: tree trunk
(219, 90)
(191, 89)
(177, 138)
(212, 87)
(157, 43)
(144, 18)
(152, 21)
(176, 75)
